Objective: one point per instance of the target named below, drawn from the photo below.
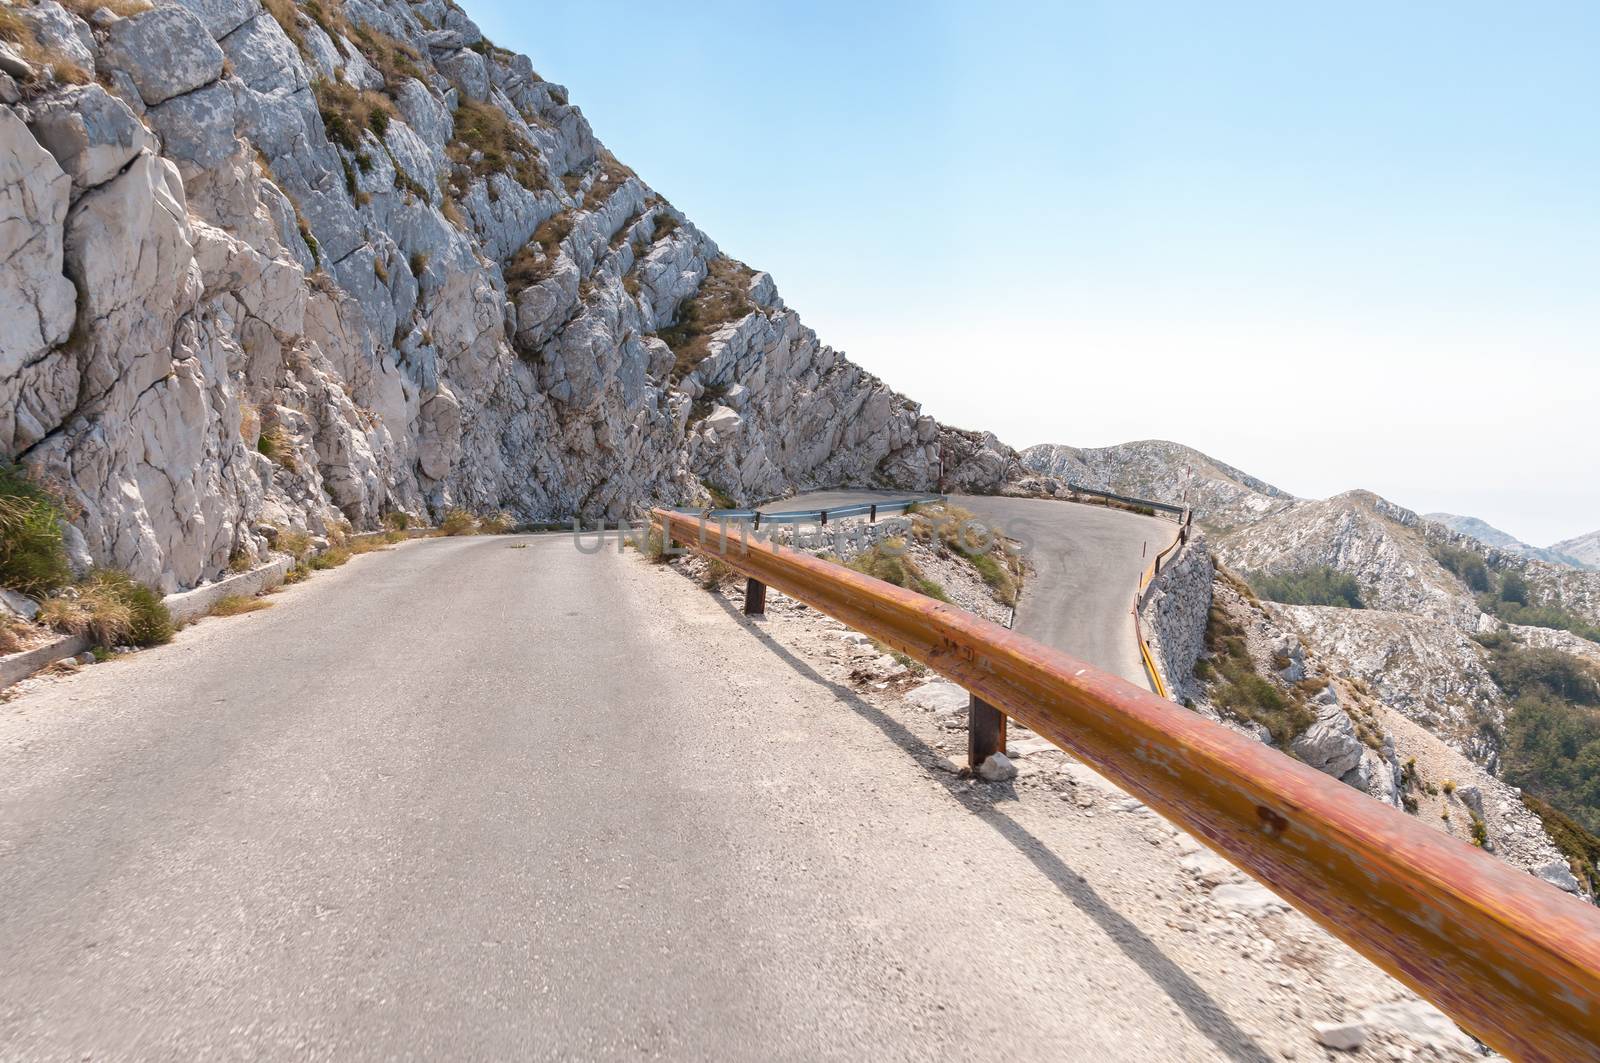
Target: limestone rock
(37, 384)
(91, 133)
(1330, 745)
(287, 326)
(1341, 1036)
(1560, 876)
(998, 768)
(165, 50)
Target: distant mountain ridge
(1221, 496)
(1585, 549)
(1488, 534)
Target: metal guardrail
(1160, 507)
(1513, 960)
(756, 517)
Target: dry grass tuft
(121, 8)
(891, 562)
(15, 30)
(296, 544)
(347, 111)
(12, 634)
(274, 443)
(483, 129)
(497, 523)
(723, 297)
(458, 522)
(112, 609)
(235, 604)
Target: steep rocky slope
(1401, 698)
(1221, 496)
(286, 266)
(1397, 558)
(1489, 535)
(1382, 545)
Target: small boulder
(1472, 797)
(1560, 876)
(1330, 745)
(18, 605)
(724, 420)
(938, 696)
(1343, 1036)
(1249, 898)
(998, 768)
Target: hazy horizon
(1336, 248)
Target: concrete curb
(184, 607)
(192, 605)
(21, 665)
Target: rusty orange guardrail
(1513, 960)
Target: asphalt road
(1086, 564)
(469, 800)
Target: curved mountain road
(1086, 562)
(498, 798)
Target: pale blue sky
(1338, 245)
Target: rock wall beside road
(1173, 611)
(302, 265)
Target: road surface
(495, 798)
(1086, 565)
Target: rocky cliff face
(1221, 496)
(282, 266)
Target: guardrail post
(986, 732)
(755, 598)
(757, 525)
(872, 514)
(824, 517)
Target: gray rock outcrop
(293, 275)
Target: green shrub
(1548, 616)
(961, 532)
(1552, 734)
(1319, 585)
(720, 499)
(1465, 565)
(1238, 689)
(1579, 846)
(397, 520)
(33, 558)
